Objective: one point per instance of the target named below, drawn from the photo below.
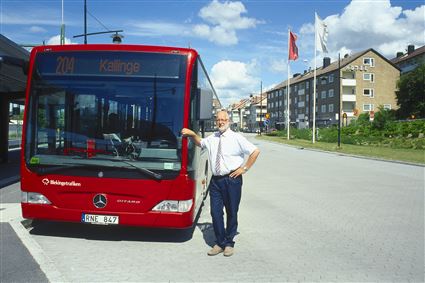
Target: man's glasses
(222, 120)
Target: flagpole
(314, 81)
(287, 94)
(62, 37)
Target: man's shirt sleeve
(246, 146)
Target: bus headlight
(36, 198)
(174, 206)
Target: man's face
(222, 122)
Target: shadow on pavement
(109, 233)
(207, 232)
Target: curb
(46, 264)
(8, 181)
(350, 155)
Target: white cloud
(279, 66)
(29, 15)
(157, 29)
(372, 24)
(224, 19)
(55, 40)
(216, 34)
(37, 29)
(227, 15)
(234, 80)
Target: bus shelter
(13, 63)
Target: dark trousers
(225, 192)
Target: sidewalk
(9, 171)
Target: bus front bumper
(178, 220)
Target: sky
(243, 44)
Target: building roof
(330, 68)
(256, 99)
(416, 52)
(12, 61)
(240, 104)
(10, 48)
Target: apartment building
(358, 83)
(237, 113)
(410, 60)
(248, 114)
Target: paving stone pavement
(305, 216)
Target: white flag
(321, 35)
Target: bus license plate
(99, 219)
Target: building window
(307, 84)
(369, 61)
(369, 92)
(331, 107)
(323, 108)
(323, 80)
(331, 93)
(296, 87)
(323, 94)
(331, 78)
(387, 106)
(368, 107)
(368, 77)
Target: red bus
(101, 139)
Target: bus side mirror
(204, 105)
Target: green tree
(411, 94)
(383, 117)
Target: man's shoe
(228, 251)
(215, 250)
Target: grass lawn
(408, 155)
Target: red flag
(293, 49)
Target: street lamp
(117, 38)
(261, 106)
(339, 100)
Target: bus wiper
(145, 171)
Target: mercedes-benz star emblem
(100, 201)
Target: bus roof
(115, 47)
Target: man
(226, 152)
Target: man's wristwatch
(245, 169)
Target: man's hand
(237, 173)
(187, 132)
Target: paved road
(304, 216)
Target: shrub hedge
(394, 134)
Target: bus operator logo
(47, 181)
(100, 201)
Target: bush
(383, 117)
(395, 134)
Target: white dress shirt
(234, 148)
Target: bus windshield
(106, 109)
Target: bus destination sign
(110, 63)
